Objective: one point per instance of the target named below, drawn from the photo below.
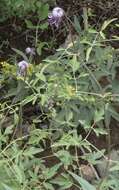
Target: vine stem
(107, 167)
(85, 17)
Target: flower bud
(22, 68)
(55, 17)
(30, 51)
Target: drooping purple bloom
(55, 17)
(22, 68)
(30, 51)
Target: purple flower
(22, 68)
(55, 17)
(30, 51)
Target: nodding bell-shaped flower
(55, 17)
(30, 51)
(22, 68)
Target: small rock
(87, 172)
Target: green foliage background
(76, 93)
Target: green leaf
(106, 23)
(69, 115)
(94, 157)
(41, 76)
(77, 25)
(63, 181)
(85, 185)
(75, 63)
(114, 168)
(21, 54)
(92, 31)
(88, 53)
(102, 35)
(50, 172)
(41, 45)
(112, 112)
(16, 118)
(48, 186)
(28, 99)
(65, 157)
(6, 187)
(38, 4)
(29, 24)
(99, 115)
(100, 131)
(19, 173)
(32, 151)
(43, 11)
(8, 130)
(44, 26)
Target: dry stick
(37, 28)
(77, 158)
(85, 17)
(68, 24)
(91, 128)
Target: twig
(85, 18)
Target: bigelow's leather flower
(22, 68)
(30, 51)
(55, 17)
